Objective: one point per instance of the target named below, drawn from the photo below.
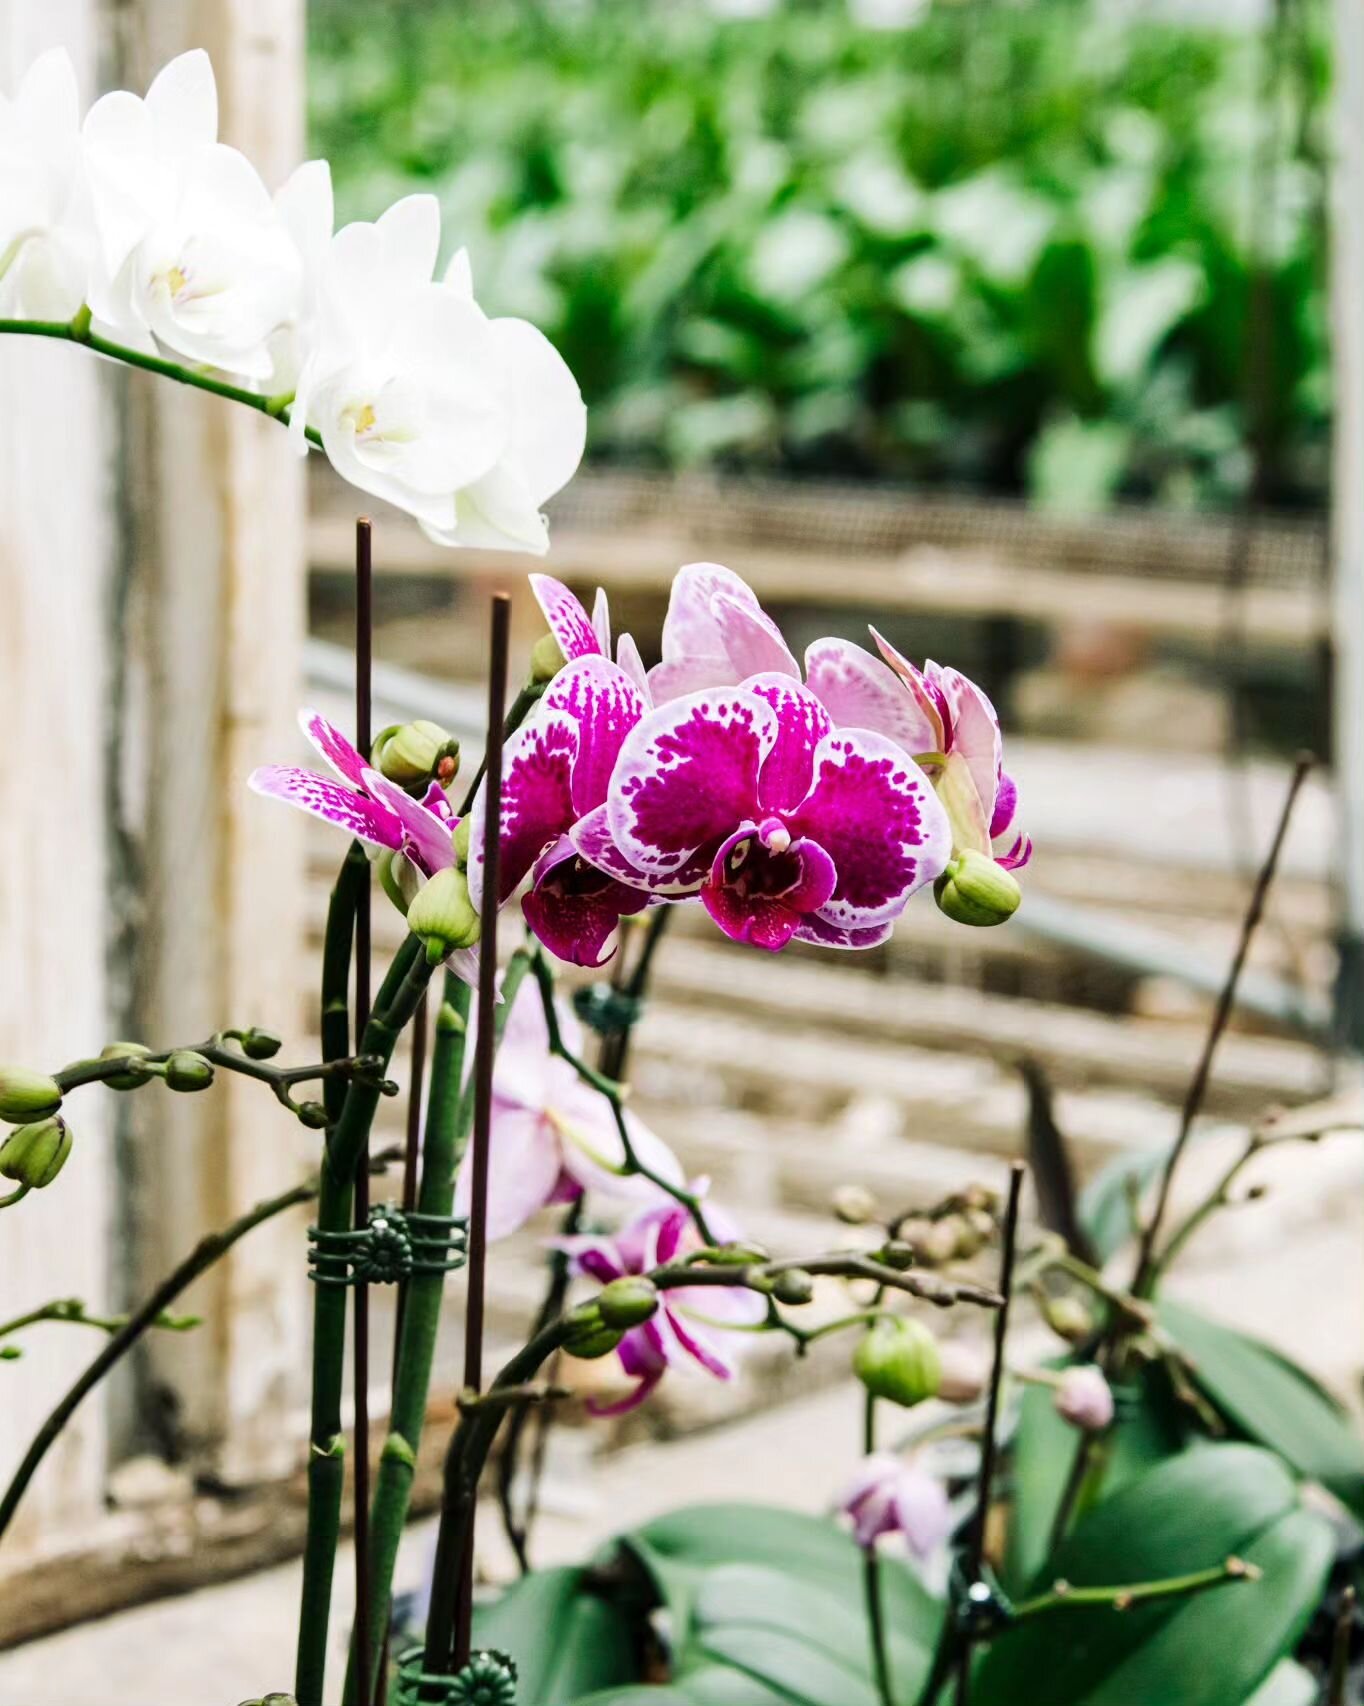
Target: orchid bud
(854, 1205)
(313, 1115)
(443, 916)
(546, 659)
(793, 1286)
(33, 1155)
(628, 1302)
(1084, 1398)
(414, 754)
(136, 1076)
(974, 889)
(188, 1071)
(461, 842)
(27, 1095)
(965, 1372)
(898, 1359)
(260, 1044)
(587, 1334)
(398, 878)
(1068, 1318)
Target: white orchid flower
(45, 230)
(193, 256)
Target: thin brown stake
(484, 1044)
(364, 666)
(1198, 1085)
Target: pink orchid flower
(715, 634)
(556, 770)
(554, 1137)
(692, 1324)
(580, 635)
(369, 807)
(785, 827)
(888, 1496)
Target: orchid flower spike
(192, 255)
(888, 1496)
(556, 770)
(693, 1324)
(785, 827)
(553, 1137)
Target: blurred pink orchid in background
(693, 1324)
(553, 1137)
(557, 768)
(783, 826)
(888, 1496)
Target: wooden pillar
(218, 531)
(56, 547)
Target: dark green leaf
(1104, 1211)
(566, 1640)
(1270, 1400)
(1211, 1649)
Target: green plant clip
(489, 1679)
(391, 1247)
(606, 1010)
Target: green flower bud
(898, 1359)
(186, 1070)
(462, 842)
(1069, 1319)
(854, 1205)
(259, 1044)
(313, 1115)
(588, 1335)
(793, 1286)
(413, 754)
(628, 1302)
(398, 878)
(136, 1076)
(546, 658)
(974, 889)
(33, 1155)
(443, 915)
(897, 1254)
(26, 1095)
(734, 1255)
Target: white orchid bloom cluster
(151, 238)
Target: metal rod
(484, 1044)
(364, 661)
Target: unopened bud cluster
(416, 754)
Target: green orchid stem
(449, 1118)
(393, 1009)
(871, 1579)
(615, 1096)
(1137, 1593)
(202, 1257)
(15, 1196)
(71, 1311)
(78, 331)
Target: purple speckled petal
(815, 930)
(861, 692)
(567, 620)
(574, 908)
(436, 800)
(687, 775)
(802, 722)
(757, 896)
(876, 816)
(332, 746)
(591, 836)
(428, 840)
(318, 795)
(760, 920)
(601, 622)
(537, 799)
(605, 704)
(628, 659)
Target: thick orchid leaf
(1150, 1428)
(1214, 1648)
(1268, 1399)
(567, 1640)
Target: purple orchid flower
(553, 1137)
(715, 634)
(369, 807)
(785, 827)
(888, 1496)
(556, 771)
(580, 635)
(692, 1323)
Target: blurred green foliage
(1010, 247)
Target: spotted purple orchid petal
(574, 908)
(367, 820)
(601, 622)
(861, 692)
(566, 619)
(627, 656)
(802, 723)
(687, 776)
(715, 634)
(875, 814)
(333, 747)
(428, 835)
(824, 935)
(605, 704)
(759, 894)
(537, 800)
(591, 836)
